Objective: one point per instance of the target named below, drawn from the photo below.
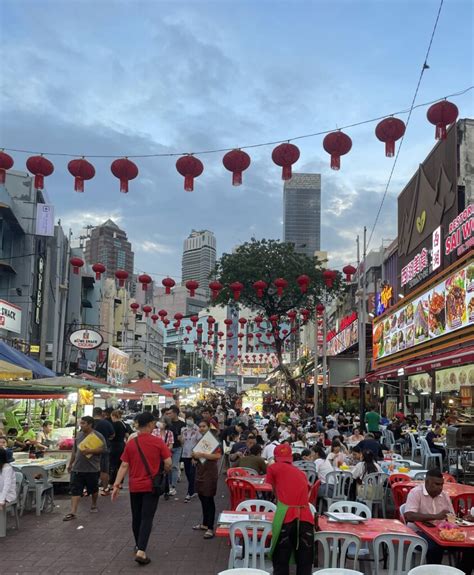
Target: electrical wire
(248, 146)
(410, 111)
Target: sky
(116, 78)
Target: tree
(267, 260)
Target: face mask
(189, 422)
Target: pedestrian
(105, 427)
(144, 457)
(191, 436)
(7, 481)
(293, 523)
(117, 444)
(84, 465)
(207, 474)
(176, 426)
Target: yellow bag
(91, 441)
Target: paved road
(103, 543)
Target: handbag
(158, 482)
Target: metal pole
(46, 298)
(325, 367)
(362, 327)
(147, 348)
(315, 384)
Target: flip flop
(94, 510)
(199, 527)
(143, 560)
(209, 534)
(69, 517)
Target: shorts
(84, 480)
(104, 462)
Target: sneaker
(187, 499)
(172, 491)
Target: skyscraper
(108, 245)
(302, 213)
(199, 258)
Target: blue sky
(112, 77)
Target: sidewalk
(103, 543)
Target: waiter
(293, 523)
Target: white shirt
(7, 484)
(323, 467)
(359, 470)
(269, 450)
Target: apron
(277, 524)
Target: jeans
(208, 511)
(143, 511)
(176, 457)
(287, 543)
(190, 471)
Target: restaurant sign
(10, 317)
(440, 310)
(86, 339)
(460, 235)
(346, 337)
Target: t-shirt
(269, 449)
(105, 428)
(176, 427)
(372, 418)
(372, 445)
(291, 487)
(360, 471)
(254, 462)
(323, 467)
(83, 464)
(154, 451)
(120, 430)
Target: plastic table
(452, 489)
(433, 534)
(223, 529)
(366, 530)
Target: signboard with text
(10, 317)
(117, 366)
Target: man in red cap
(293, 523)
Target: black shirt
(176, 427)
(104, 427)
(120, 431)
(371, 445)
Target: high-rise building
(199, 258)
(108, 244)
(302, 213)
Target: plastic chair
(398, 478)
(448, 478)
(420, 476)
(336, 547)
(243, 571)
(313, 492)
(39, 489)
(463, 502)
(309, 468)
(239, 472)
(257, 506)
(250, 541)
(12, 506)
(400, 493)
(351, 507)
(415, 446)
(337, 572)
(435, 570)
(340, 483)
(401, 512)
(401, 551)
(428, 455)
(240, 491)
(373, 490)
(395, 456)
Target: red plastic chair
(240, 491)
(398, 478)
(463, 502)
(400, 493)
(313, 492)
(448, 478)
(237, 472)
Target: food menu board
(421, 383)
(444, 308)
(346, 338)
(453, 378)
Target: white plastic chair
(337, 571)
(250, 542)
(40, 489)
(396, 456)
(309, 469)
(428, 455)
(435, 570)
(401, 551)
(336, 547)
(257, 506)
(420, 476)
(373, 490)
(12, 506)
(351, 507)
(243, 571)
(415, 446)
(401, 511)
(338, 487)
(250, 471)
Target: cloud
(150, 247)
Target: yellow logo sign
(386, 296)
(420, 222)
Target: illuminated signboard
(460, 235)
(347, 336)
(441, 309)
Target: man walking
(84, 465)
(142, 459)
(105, 427)
(176, 426)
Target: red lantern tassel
(286, 172)
(39, 182)
(390, 148)
(236, 178)
(75, 270)
(2, 177)
(78, 184)
(124, 186)
(97, 275)
(188, 183)
(440, 133)
(335, 162)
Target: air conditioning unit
(49, 348)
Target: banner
(453, 378)
(117, 367)
(10, 317)
(44, 220)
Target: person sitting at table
(9, 450)
(293, 522)
(369, 442)
(27, 438)
(336, 456)
(241, 448)
(44, 438)
(431, 436)
(323, 467)
(364, 467)
(269, 449)
(429, 503)
(305, 455)
(7, 480)
(254, 460)
(356, 436)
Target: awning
(147, 385)
(384, 373)
(10, 371)
(14, 356)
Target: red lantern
(155, 318)
(337, 144)
(210, 320)
(230, 335)
(259, 286)
(166, 322)
(305, 314)
(240, 335)
(236, 288)
(189, 167)
(292, 316)
(81, 170)
(274, 319)
(389, 131)
(258, 320)
(303, 281)
(134, 307)
(144, 279)
(194, 319)
(280, 284)
(442, 114)
(186, 339)
(122, 276)
(99, 269)
(192, 286)
(162, 313)
(228, 322)
(76, 263)
(250, 335)
(147, 309)
(349, 271)
(176, 325)
(215, 288)
(188, 329)
(236, 161)
(178, 317)
(320, 309)
(242, 321)
(199, 331)
(168, 283)
(285, 155)
(125, 170)
(40, 167)
(6, 163)
(259, 335)
(329, 276)
(220, 334)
